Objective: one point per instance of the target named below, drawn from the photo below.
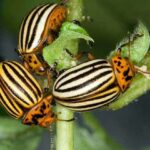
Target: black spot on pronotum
(54, 20)
(119, 63)
(58, 16)
(36, 117)
(34, 120)
(35, 62)
(52, 115)
(123, 86)
(118, 70)
(30, 57)
(115, 61)
(119, 57)
(30, 60)
(43, 107)
(26, 119)
(125, 73)
(128, 78)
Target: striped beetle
(21, 95)
(94, 83)
(40, 27)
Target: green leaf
(69, 26)
(15, 136)
(138, 45)
(94, 137)
(55, 52)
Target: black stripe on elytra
(100, 62)
(110, 87)
(100, 97)
(90, 81)
(10, 111)
(28, 78)
(83, 75)
(8, 98)
(86, 98)
(23, 26)
(23, 79)
(12, 79)
(96, 105)
(30, 24)
(85, 93)
(36, 24)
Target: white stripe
(89, 102)
(84, 79)
(33, 25)
(26, 28)
(40, 27)
(84, 89)
(77, 73)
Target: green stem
(64, 129)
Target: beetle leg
(52, 71)
(90, 56)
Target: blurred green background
(112, 20)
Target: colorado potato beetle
(94, 83)
(22, 96)
(39, 28)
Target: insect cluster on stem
(87, 86)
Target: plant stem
(64, 129)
